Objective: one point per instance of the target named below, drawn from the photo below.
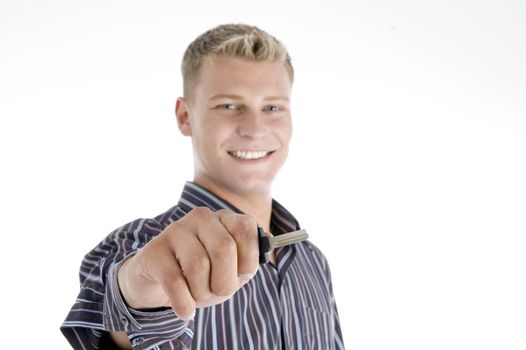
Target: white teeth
(249, 154)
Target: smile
(249, 154)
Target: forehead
(231, 75)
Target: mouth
(250, 155)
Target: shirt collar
(194, 195)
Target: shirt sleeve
(100, 308)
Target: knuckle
(222, 212)
(224, 290)
(200, 212)
(182, 309)
(197, 265)
(169, 233)
(243, 225)
(155, 243)
(201, 295)
(224, 247)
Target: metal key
(266, 244)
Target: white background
(408, 162)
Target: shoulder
(141, 230)
(311, 270)
(314, 256)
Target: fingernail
(190, 317)
(246, 276)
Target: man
(190, 278)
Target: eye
(272, 108)
(228, 106)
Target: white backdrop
(407, 163)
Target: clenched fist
(200, 260)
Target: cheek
(284, 132)
(214, 135)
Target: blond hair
(235, 40)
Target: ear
(182, 113)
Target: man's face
(240, 124)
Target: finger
(222, 251)
(244, 231)
(195, 265)
(167, 272)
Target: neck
(256, 205)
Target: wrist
(122, 281)
(138, 291)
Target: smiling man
(191, 277)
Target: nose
(252, 125)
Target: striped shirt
(289, 305)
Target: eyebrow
(238, 97)
(274, 98)
(227, 96)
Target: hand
(198, 261)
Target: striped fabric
(287, 306)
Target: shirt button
(137, 341)
(124, 321)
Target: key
(266, 244)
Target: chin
(252, 186)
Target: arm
(121, 340)
(197, 261)
(95, 312)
